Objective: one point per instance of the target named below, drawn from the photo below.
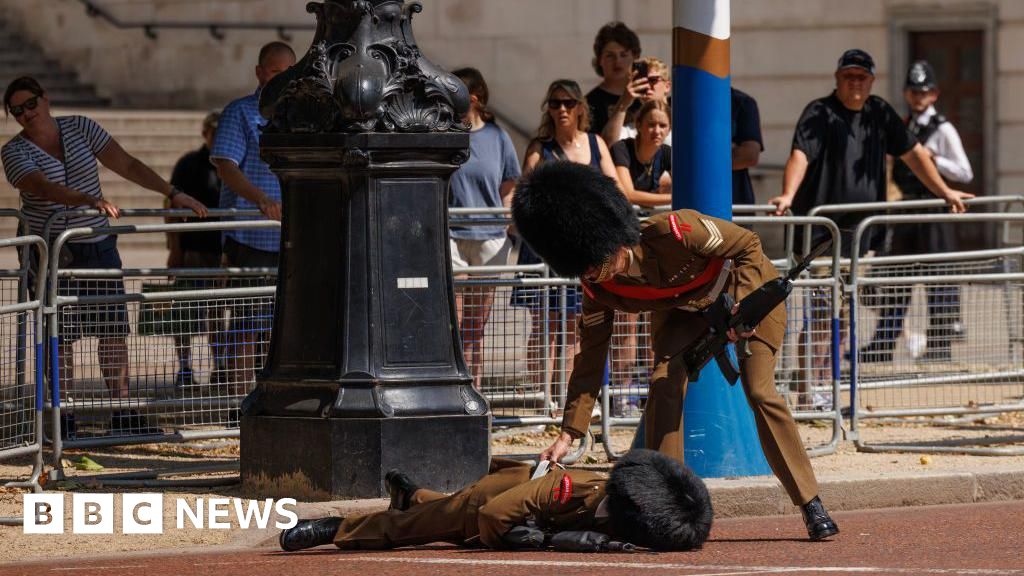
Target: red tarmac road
(973, 539)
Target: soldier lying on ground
(675, 265)
(648, 500)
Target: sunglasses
(29, 104)
(556, 103)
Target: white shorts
(492, 252)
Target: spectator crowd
(622, 128)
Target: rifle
(751, 311)
(531, 537)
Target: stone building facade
(783, 53)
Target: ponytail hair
(476, 85)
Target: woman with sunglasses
(656, 85)
(562, 135)
(52, 163)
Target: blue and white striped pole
(720, 438)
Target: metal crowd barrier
(526, 381)
(90, 312)
(523, 326)
(942, 340)
(54, 218)
(21, 372)
(905, 206)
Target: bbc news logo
(144, 513)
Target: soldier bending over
(674, 265)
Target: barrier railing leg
(606, 418)
(854, 368)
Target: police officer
(648, 500)
(942, 142)
(675, 264)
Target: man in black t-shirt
(747, 145)
(840, 147)
(616, 47)
(839, 156)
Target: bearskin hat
(573, 216)
(657, 502)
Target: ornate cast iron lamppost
(365, 371)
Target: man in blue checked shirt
(248, 183)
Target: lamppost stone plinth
(365, 370)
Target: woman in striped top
(52, 163)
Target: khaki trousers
(671, 330)
(432, 516)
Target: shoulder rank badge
(715, 235)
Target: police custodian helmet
(921, 77)
(573, 216)
(657, 502)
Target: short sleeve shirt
(746, 127)
(238, 140)
(477, 183)
(82, 139)
(645, 176)
(846, 153)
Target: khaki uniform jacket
(558, 501)
(676, 249)
(485, 511)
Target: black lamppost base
(316, 459)
(365, 371)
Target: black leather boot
(309, 534)
(401, 488)
(819, 524)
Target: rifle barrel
(806, 262)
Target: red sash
(648, 293)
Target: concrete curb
(763, 496)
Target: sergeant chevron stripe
(716, 236)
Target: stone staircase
(21, 58)
(156, 137)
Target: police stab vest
(911, 187)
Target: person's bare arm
(640, 197)
(612, 131)
(505, 191)
(607, 165)
(746, 155)
(665, 185)
(796, 169)
(920, 163)
(134, 170)
(231, 175)
(38, 185)
(532, 157)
